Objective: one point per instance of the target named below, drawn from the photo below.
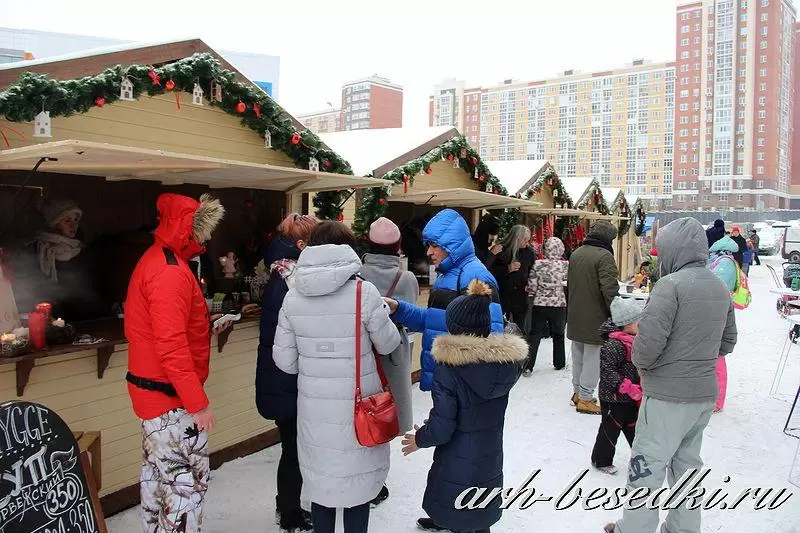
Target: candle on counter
(45, 309)
(203, 286)
(59, 323)
(8, 337)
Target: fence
(737, 217)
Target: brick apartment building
(369, 103)
(735, 93)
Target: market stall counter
(86, 385)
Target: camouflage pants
(175, 473)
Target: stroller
(788, 304)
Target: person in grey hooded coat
(688, 322)
(315, 339)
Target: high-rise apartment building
(614, 125)
(734, 98)
(322, 121)
(372, 103)
(794, 174)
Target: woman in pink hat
(381, 267)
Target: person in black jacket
(511, 267)
(620, 389)
(487, 227)
(716, 232)
(276, 391)
(737, 237)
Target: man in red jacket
(168, 329)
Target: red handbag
(375, 417)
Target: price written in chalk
(63, 496)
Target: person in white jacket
(315, 339)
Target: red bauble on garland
(169, 85)
(481, 178)
(327, 163)
(428, 170)
(241, 107)
(381, 201)
(340, 217)
(99, 101)
(449, 157)
(295, 138)
(473, 160)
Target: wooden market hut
(626, 249)
(113, 149)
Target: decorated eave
(548, 177)
(583, 191)
(202, 76)
(615, 200)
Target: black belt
(152, 385)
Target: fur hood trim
(461, 350)
(208, 215)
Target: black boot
(380, 498)
(427, 524)
(295, 522)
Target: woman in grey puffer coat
(315, 338)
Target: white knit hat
(626, 311)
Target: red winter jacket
(166, 316)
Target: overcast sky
(415, 43)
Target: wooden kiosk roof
(458, 197)
(121, 163)
(588, 215)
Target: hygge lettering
(23, 425)
(687, 491)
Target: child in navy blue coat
(474, 375)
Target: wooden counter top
(111, 329)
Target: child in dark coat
(475, 374)
(620, 391)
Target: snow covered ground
(544, 432)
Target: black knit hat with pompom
(469, 314)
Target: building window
(762, 100)
(706, 197)
(762, 86)
(763, 45)
(759, 184)
(764, 3)
(739, 197)
(759, 170)
(761, 141)
(762, 72)
(764, 31)
(760, 156)
(685, 28)
(761, 128)
(762, 113)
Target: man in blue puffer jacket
(451, 250)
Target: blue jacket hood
(449, 230)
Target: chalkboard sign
(43, 488)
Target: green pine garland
(550, 178)
(508, 218)
(593, 192)
(374, 201)
(33, 93)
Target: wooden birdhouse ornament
(126, 90)
(313, 164)
(267, 139)
(456, 164)
(41, 125)
(197, 94)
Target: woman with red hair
(276, 391)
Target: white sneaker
(610, 470)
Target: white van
(790, 248)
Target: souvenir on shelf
(229, 264)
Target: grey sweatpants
(668, 440)
(585, 369)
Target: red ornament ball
(295, 138)
(169, 85)
(405, 178)
(241, 107)
(449, 157)
(428, 170)
(473, 160)
(481, 178)
(496, 191)
(248, 203)
(381, 201)
(327, 163)
(99, 101)
(340, 217)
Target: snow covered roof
(576, 187)
(368, 150)
(90, 52)
(515, 175)
(610, 194)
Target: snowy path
(543, 432)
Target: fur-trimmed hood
(185, 224)
(490, 366)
